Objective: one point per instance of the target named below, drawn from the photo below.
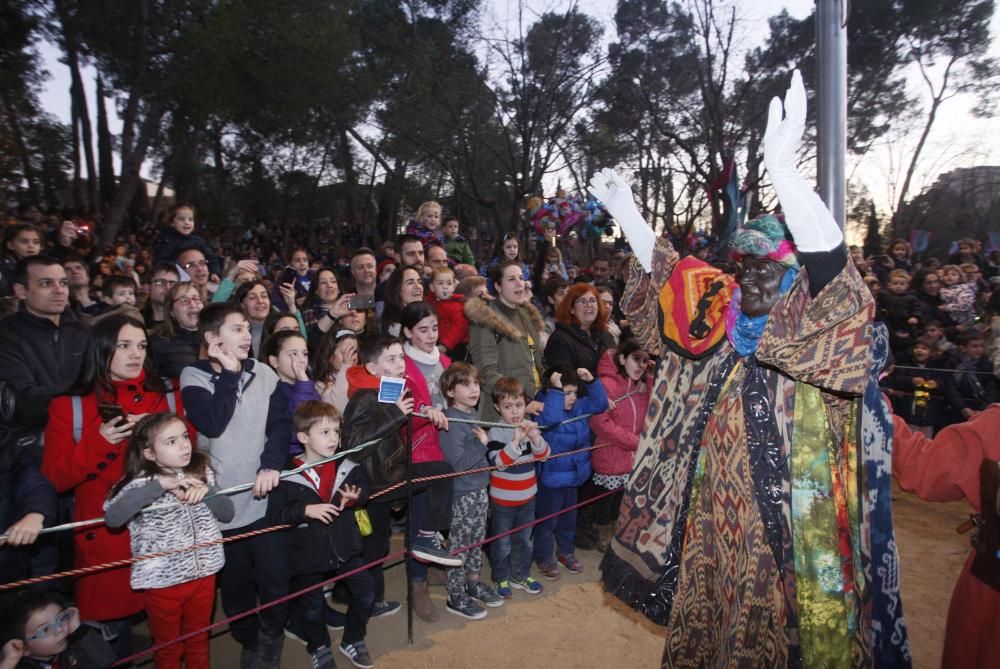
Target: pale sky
(957, 140)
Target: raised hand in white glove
(810, 222)
(608, 187)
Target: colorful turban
(765, 237)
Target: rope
(243, 487)
(953, 370)
(82, 571)
(299, 593)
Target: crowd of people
(140, 384)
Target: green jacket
(458, 250)
(504, 342)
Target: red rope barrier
(299, 593)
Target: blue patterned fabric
(890, 644)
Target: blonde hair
(430, 204)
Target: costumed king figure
(748, 524)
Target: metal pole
(831, 110)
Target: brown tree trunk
(14, 121)
(79, 100)
(105, 162)
(130, 179)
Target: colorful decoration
(565, 214)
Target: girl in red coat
(116, 379)
(623, 371)
(946, 469)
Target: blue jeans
(561, 528)
(511, 555)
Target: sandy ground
(574, 624)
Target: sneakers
(503, 589)
(572, 565)
(428, 549)
(323, 659)
(384, 607)
(484, 594)
(422, 604)
(466, 608)
(528, 584)
(357, 653)
(549, 571)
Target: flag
(919, 240)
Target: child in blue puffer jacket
(559, 479)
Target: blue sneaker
(503, 589)
(528, 584)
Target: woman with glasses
(85, 442)
(175, 343)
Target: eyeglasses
(195, 263)
(160, 283)
(185, 301)
(60, 622)
(586, 302)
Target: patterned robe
(746, 525)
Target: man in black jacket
(42, 345)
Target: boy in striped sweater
(512, 488)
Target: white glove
(808, 219)
(608, 187)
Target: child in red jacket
(452, 323)
(625, 374)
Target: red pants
(175, 611)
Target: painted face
(411, 289)
(511, 409)
(129, 355)
(327, 287)
(193, 262)
(345, 353)
(510, 248)
(171, 447)
(424, 335)
(465, 396)
(932, 284)
(363, 270)
(183, 221)
(162, 282)
(185, 309)
(451, 229)
(293, 350)
(27, 243)
(585, 309)
(390, 363)
(413, 254)
(47, 290)
(635, 364)
(300, 261)
(511, 288)
(234, 336)
(760, 280)
(322, 440)
(431, 218)
(257, 303)
(443, 285)
(48, 629)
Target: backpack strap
(77, 403)
(171, 398)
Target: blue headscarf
(744, 332)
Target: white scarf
(432, 358)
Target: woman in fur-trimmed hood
(504, 337)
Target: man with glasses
(193, 262)
(165, 277)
